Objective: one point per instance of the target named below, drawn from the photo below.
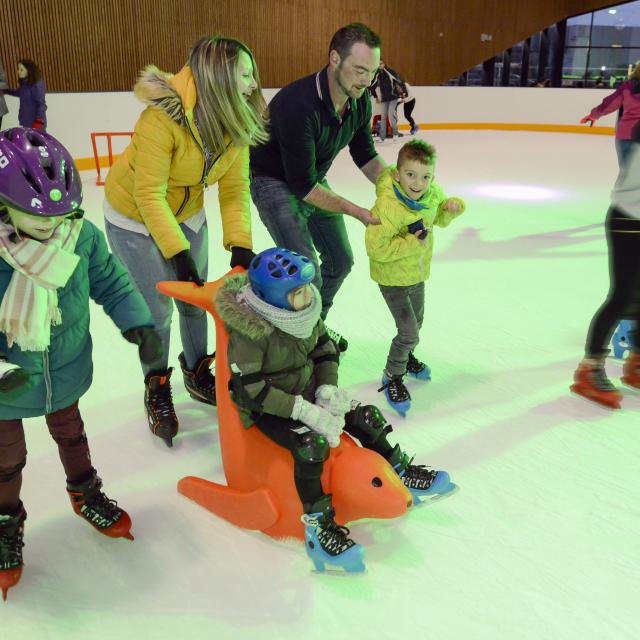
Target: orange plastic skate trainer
(260, 493)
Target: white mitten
(334, 400)
(318, 419)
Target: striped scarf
(30, 304)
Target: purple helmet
(37, 174)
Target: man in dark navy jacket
(312, 120)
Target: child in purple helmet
(51, 262)
(284, 379)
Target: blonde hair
(220, 106)
(635, 73)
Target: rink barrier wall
(73, 116)
(85, 164)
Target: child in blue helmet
(285, 381)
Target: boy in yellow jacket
(408, 206)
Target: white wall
(73, 116)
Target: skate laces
(414, 365)
(206, 380)
(414, 476)
(334, 538)
(599, 379)
(11, 543)
(396, 389)
(104, 506)
(163, 405)
(418, 476)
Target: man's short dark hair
(345, 37)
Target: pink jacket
(630, 103)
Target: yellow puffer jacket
(160, 177)
(396, 257)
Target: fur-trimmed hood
(238, 316)
(173, 94)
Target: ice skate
(424, 484)
(199, 381)
(631, 371)
(339, 339)
(328, 543)
(591, 382)
(396, 393)
(90, 503)
(11, 543)
(417, 369)
(158, 403)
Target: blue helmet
(273, 273)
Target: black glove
(186, 268)
(241, 257)
(12, 379)
(418, 225)
(148, 341)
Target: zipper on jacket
(184, 202)
(205, 172)
(47, 381)
(207, 166)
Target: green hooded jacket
(397, 257)
(285, 365)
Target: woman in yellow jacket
(408, 205)
(195, 131)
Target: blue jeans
(146, 267)
(388, 109)
(299, 226)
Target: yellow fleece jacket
(397, 257)
(160, 178)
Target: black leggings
(623, 299)
(289, 434)
(408, 110)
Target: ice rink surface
(541, 542)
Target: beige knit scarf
(30, 304)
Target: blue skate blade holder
(621, 341)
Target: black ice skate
(199, 381)
(396, 393)
(423, 483)
(340, 340)
(158, 402)
(328, 543)
(90, 503)
(417, 369)
(11, 543)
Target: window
(600, 46)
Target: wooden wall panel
(100, 45)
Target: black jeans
(299, 226)
(408, 108)
(623, 238)
(289, 434)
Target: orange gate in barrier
(108, 135)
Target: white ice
(541, 542)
